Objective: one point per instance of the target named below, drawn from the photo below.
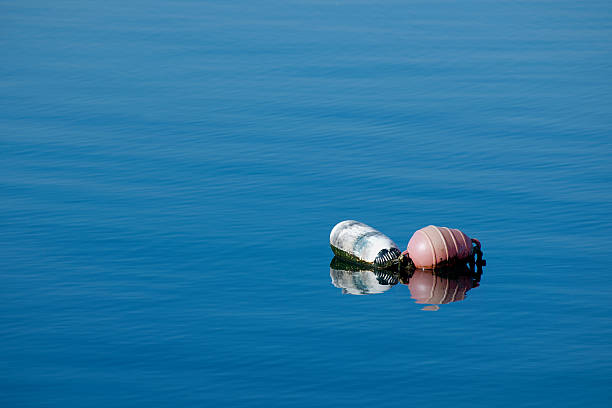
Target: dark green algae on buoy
(357, 242)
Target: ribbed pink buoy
(433, 247)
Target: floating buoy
(358, 281)
(434, 247)
(358, 242)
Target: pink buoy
(433, 247)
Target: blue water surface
(170, 172)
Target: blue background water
(170, 172)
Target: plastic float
(360, 243)
(429, 248)
(439, 266)
(436, 247)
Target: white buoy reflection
(355, 281)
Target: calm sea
(170, 172)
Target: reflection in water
(441, 287)
(355, 280)
(430, 287)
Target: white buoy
(358, 242)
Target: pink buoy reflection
(437, 288)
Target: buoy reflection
(440, 287)
(431, 288)
(355, 281)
